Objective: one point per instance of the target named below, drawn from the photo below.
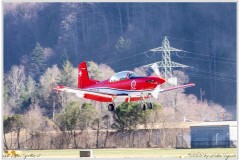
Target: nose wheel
(111, 107)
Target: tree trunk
(133, 138)
(11, 141)
(106, 29)
(5, 141)
(31, 140)
(106, 137)
(98, 129)
(120, 18)
(83, 31)
(75, 39)
(18, 141)
(75, 140)
(149, 144)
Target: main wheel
(150, 105)
(111, 107)
(143, 107)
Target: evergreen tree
(87, 115)
(13, 124)
(30, 86)
(67, 77)
(128, 116)
(94, 71)
(28, 92)
(37, 64)
(123, 44)
(64, 56)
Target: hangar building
(214, 134)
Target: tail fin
(83, 78)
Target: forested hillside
(44, 42)
(117, 34)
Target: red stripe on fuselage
(97, 98)
(107, 99)
(135, 84)
(131, 84)
(135, 98)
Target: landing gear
(150, 105)
(111, 107)
(143, 106)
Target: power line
(199, 42)
(125, 66)
(216, 73)
(170, 49)
(141, 53)
(190, 74)
(231, 59)
(207, 77)
(127, 57)
(233, 63)
(110, 51)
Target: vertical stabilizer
(83, 78)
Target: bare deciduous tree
(34, 124)
(15, 80)
(49, 80)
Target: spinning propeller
(172, 81)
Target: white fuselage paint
(114, 91)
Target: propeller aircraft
(125, 86)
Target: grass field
(135, 153)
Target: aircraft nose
(160, 80)
(156, 80)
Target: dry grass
(135, 153)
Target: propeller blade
(172, 81)
(156, 91)
(156, 69)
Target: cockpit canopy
(123, 75)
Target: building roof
(220, 123)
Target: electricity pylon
(166, 64)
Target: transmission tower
(166, 64)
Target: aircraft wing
(80, 92)
(158, 90)
(98, 96)
(177, 87)
(105, 97)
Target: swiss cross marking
(80, 73)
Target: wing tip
(59, 88)
(192, 84)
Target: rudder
(83, 78)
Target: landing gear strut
(111, 107)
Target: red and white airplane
(125, 86)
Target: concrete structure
(86, 153)
(214, 134)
